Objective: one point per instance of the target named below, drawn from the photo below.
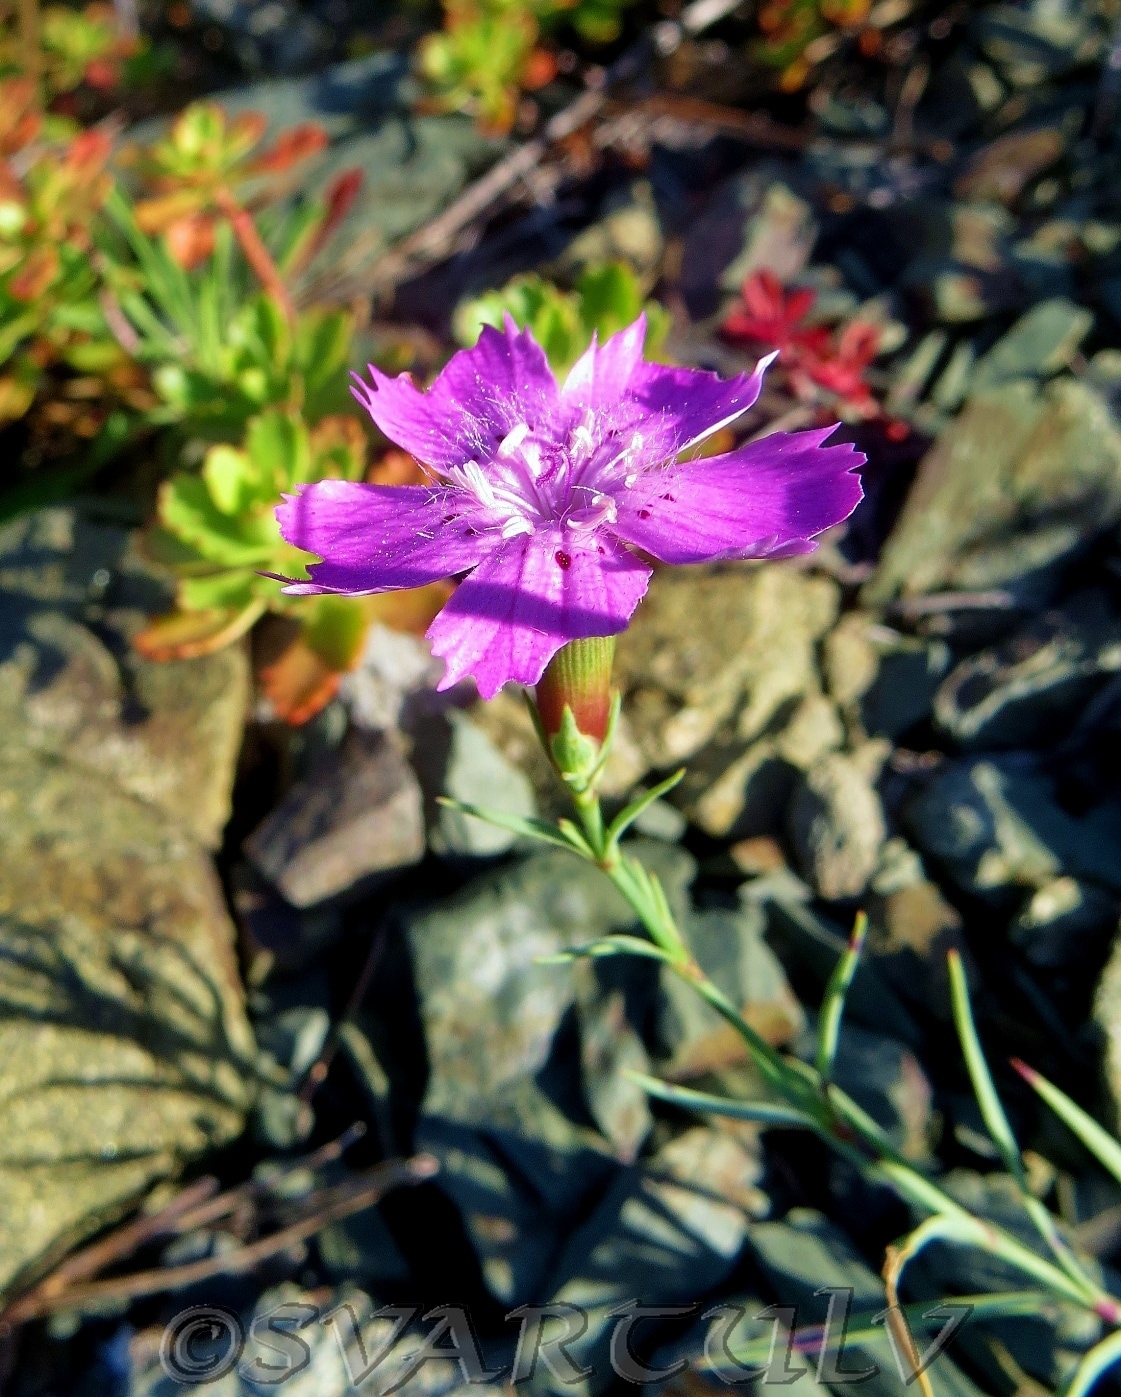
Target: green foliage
(48, 306)
(218, 529)
(605, 299)
(218, 349)
(489, 51)
(75, 47)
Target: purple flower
(540, 493)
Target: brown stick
(340, 1203)
(435, 241)
(256, 253)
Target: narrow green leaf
(625, 818)
(762, 1111)
(833, 1005)
(517, 824)
(992, 1112)
(1101, 1144)
(608, 946)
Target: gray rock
(669, 1233)
(733, 791)
(886, 1078)
(837, 822)
(477, 772)
(1064, 923)
(1028, 687)
(359, 815)
(884, 681)
(996, 830)
(124, 1047)
(521, 1180)
(1015, 486)
(488, 1008)
(610, 1047)
(730, 949)
(397, 673)
(1042, 342)
(712, 645)
(803, 1253)
(73, 593)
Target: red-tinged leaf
(298, 683)
(190, 240)
(102, 75)
(184, 635)
(36, 275)
(290, 147)
(396, 468)
(339, 199)
(89, 150)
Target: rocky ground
(225, 942)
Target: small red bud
(578, 677)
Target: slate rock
(712, 644)
(887, 1079)
(124, 1047)
(1014, 487)
(358, 816)
(883, 680)
(73, 593)
(668, 1232)
(475, 771)
(1027, 689)
(730, 949)
(610, 1048)
(1065, 924)
(837, 822)
(733, 791)
(803, 1253)
(1041, 342)
(488, 1008)
(999, 172)
(396, 678)
(126, 1050)
(998, 830)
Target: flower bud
(578, 677)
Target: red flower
(773, 316)
(768, 314)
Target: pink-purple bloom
(540, 494)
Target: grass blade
(833, 1005)
(1101, 1144)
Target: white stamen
(629, 480)
(513, 439)
(531, 455)
(583, 437)
(516, 524)
(479, 484)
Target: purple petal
(601, 375)
(476, 399)
(376, 538)
(531, 596)
(766, 499)
(691, 403)
(674, 408)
